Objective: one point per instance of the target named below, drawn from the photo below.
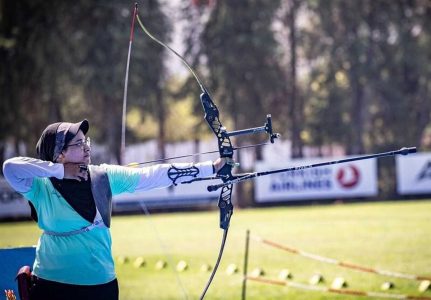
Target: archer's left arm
(129, 180)
(164, 175)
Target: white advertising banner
(414, 174)
(353, 179)
(182, 195)
(12, 204)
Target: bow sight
(267, 127)
(212, 117)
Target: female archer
(71, 201)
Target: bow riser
(212, 118)
(226, 151)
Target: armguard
(175, 173)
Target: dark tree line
(349, 73)
(66, 61)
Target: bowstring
(164, 247)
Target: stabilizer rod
(402, 151)
(267, 127)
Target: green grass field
(391, 236)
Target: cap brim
(83, 126)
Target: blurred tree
(8, 107)
(32, 70)
(101, 66)
(296, 104)
(369, 72)
(336, 89)
(68, 60)
(372, 56)
(240, 52)
(192, 18)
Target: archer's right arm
(20, 171)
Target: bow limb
(173, 51)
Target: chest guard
(102, 194)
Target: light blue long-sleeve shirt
(84, 258)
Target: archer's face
(77, 150)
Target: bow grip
(225, 171)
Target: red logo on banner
(348, 176)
